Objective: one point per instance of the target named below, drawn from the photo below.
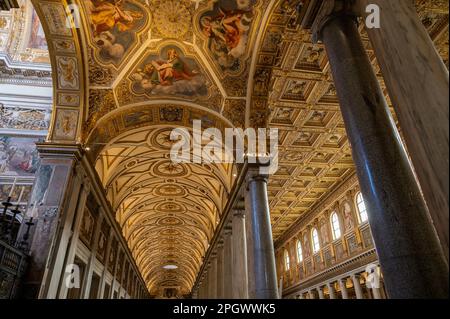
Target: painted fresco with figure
(18, 156)
(227, 27)
(115, 25)
(169, 73)
(37, 37)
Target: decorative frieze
(24, 118)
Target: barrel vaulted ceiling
(238, 63)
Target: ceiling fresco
(115, 28)
(138, 68)
(22, 38)
(133, 44)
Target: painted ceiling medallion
(170, 190)
(115, 27)
(167, 168)
(172, 18)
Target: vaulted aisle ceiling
(168, 212)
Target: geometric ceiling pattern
(168, 213)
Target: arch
(299, 251)
(361, 208)
(287, 260)
(315, 240)
(67, 54)
(335, 225)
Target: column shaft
(417, 81)
(343, 287)
(331, 291)
(262, 267)
(228, 265)
(320, 292)
(407, 245)
(357, 287)
(240, 276)
(212, 278)
(376, 293)
(220, 272)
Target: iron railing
(13, 263)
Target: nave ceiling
(239, 63)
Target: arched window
(335, 226)
(362, 210)
(299, 251)
(287, 261)
(315, 240)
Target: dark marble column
(417, 81)
(228, 264)
(261, 255)
(240, 258)
(212, 278)
(408, 248)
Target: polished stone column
(331, 291)
(320, 293)
(212, 278)
(376, 293)
(357, 286)
(220, 271)
(207, 282)
(417, 81)
(240, 273)
(343, 287)
(262, 266)
(228, 263)
(203, 287)
(407, 245)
